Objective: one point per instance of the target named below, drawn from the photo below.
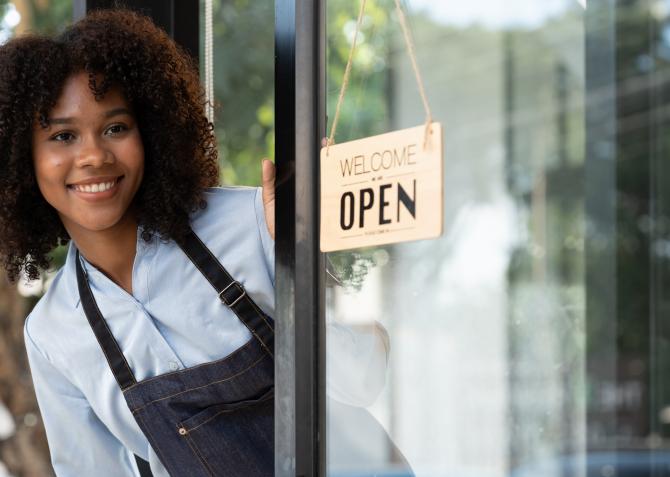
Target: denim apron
(213, 419)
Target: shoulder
(55, 317)
(228, 201)
(231, 208)
(233, 226)
(40, 322)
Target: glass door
(531, 339)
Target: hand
(268, 179)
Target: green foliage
(243, 36)
(365, 110)
(58, 256)
(49, 17)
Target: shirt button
(174, 366)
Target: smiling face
(89, 161)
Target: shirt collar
(70, 273)
(70, 269)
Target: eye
(116, 129)
(63, 137)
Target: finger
(268, 180)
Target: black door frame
(300, 124)
(179, 18)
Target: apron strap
(115, 358)
(143, 467)
(230, 291)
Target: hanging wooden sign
(382, 189)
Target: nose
(93, 154)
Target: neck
(112, 251)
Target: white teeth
(100, 187)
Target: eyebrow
(107, 115)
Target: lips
(96, 189)
(95, 185)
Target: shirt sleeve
(79, 442)
(356, 363)
(356, 359)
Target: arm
(356, 360)
(79, 442)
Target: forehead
(76, 98)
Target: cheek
(46, 160)
(50, 176)
(141, 169)
(41, 176)
(134, 151)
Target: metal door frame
(300, 68)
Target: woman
(143, 344)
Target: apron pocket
(211, 412)
(234, 439)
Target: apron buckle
(232, 301)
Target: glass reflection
(524, 341)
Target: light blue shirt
(173, 320)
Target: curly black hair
(159, 80)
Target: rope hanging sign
(382, 189)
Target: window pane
(529, 340)
(243, 72)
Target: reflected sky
(493, 13)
